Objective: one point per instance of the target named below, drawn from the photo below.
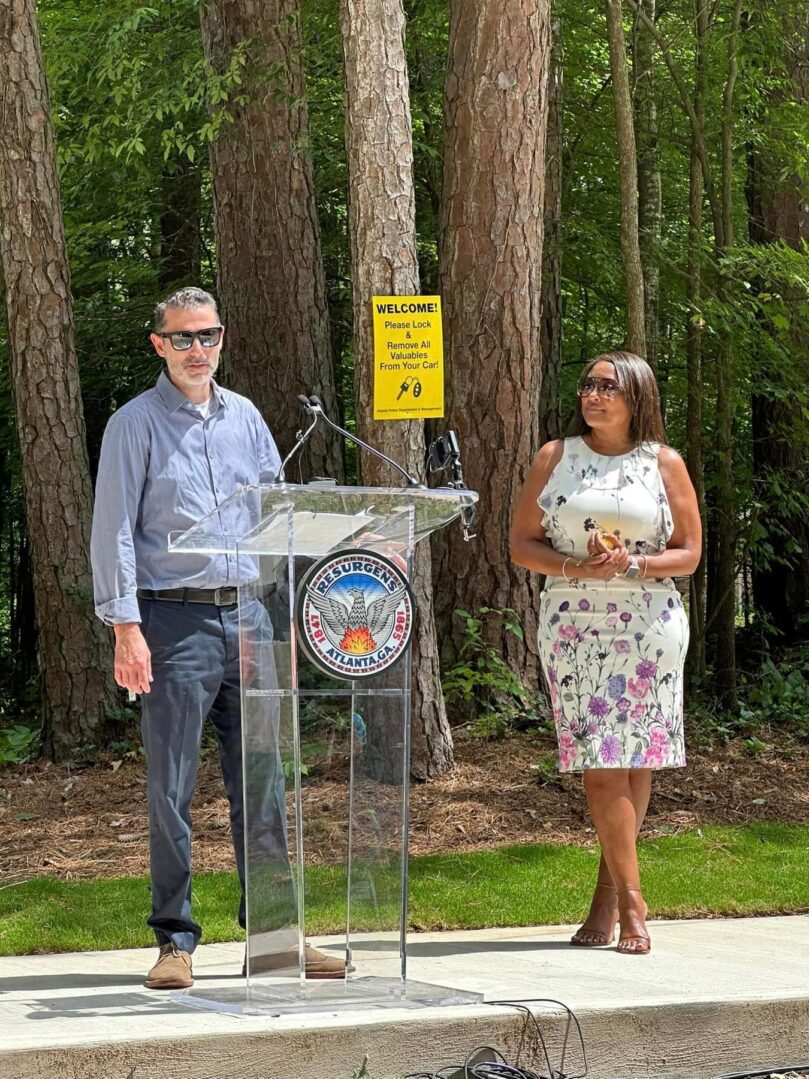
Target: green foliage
(773, 711)
(497, 698)
(288, 765)
(779, 696)
(18, 744)
(126, 747)
(546, 769)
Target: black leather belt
(219, 597)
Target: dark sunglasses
(182, 340)
(604, 387)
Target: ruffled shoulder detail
(552, 496)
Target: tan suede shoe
(318, 964)
(171, 971)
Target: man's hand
(133, 660)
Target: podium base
(288, 997)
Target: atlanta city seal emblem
(354, 614)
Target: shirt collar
(173, 399)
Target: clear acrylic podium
(326, 761)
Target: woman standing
(610, 516)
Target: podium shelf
(269, 519)
(344, 692)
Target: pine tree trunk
(779, 212)
(724, 615)
(384, 261)
(725, 591)
(270, 270)
(695, 664)
(74, 648)
(490, 271)
(180, 223)
(550, 330)
(628, 181)
(650, 189)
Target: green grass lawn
(759, 869)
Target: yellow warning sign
(408, 358)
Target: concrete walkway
(713, 996)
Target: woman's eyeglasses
(182, 340)
(604, 387)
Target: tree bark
(490, 270)
(650, 189)
(725, 614)
(550, 329)
(779, 212)
(270, 270)
(384, 262)
(628, 182)
(695, 664)
(74, 648)
(181, 184)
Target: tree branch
(727, 127)
(688, 105)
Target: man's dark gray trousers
(196, 673)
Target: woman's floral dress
(613, 652)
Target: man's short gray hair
(181, 300)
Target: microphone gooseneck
(317, 405)
(300, 438)
(313, 406)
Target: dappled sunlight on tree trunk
(384, 262)
(75, 658)
(490, 269)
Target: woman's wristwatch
(632, 570)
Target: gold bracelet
(645, 567)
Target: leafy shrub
(18, 744)
(546, 770)
(773, 707)
(778, 696)
(497, 698)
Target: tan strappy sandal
(594, 938)
(638, 943)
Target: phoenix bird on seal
(356, 628)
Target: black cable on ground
(497, 1067)
(553, 1073)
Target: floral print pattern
(613, 653)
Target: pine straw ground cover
(81, 823)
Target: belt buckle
(217, 596)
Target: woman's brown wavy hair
(637, 380)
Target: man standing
(169, 457)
